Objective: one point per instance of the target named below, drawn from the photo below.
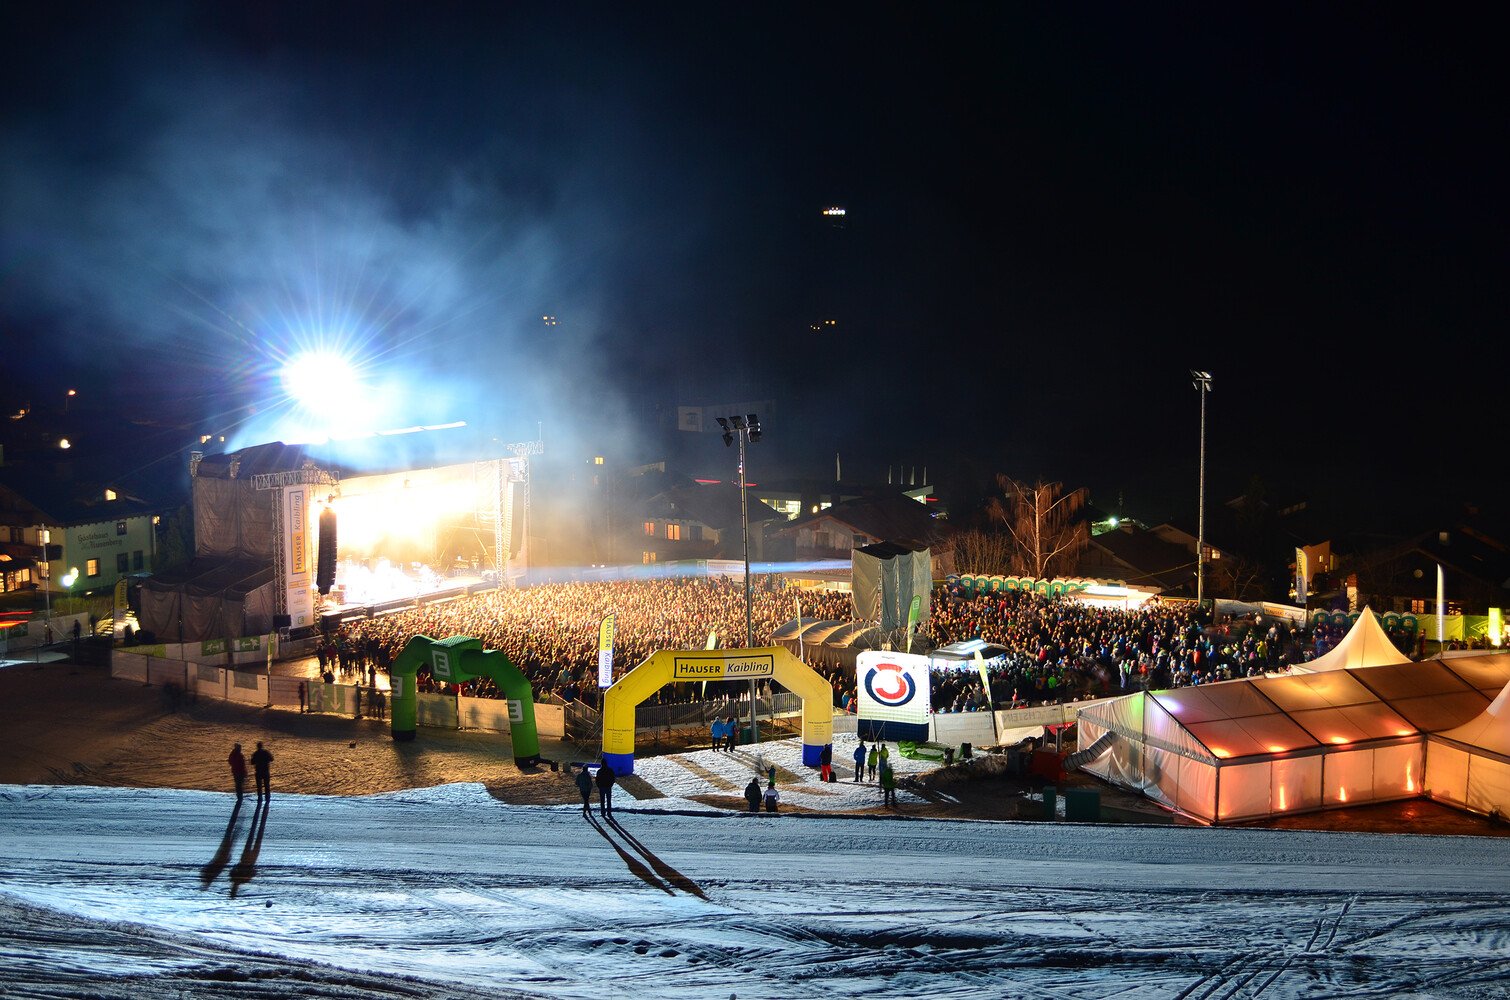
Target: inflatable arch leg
(460, 659)
(662, 668)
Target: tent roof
(1365, 645)
(1268, 716)
(854, 632)
(1490, 729)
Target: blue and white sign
(893, 687)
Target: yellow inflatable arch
(669, 665)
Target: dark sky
(1055, 212)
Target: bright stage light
(320, 379)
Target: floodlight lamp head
(737, 421)
(723, 422)
(728, 439)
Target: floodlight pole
(744, 520)
(739, 427)
(1203, 384)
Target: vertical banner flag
(1302, 577)
(605, 652)
(913, 611)
(801, 649)
(1441, 609)
(985, 678)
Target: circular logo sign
(889, 685)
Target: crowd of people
(1062, 649)
(1057, 649)
(550, 632)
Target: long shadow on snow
(212, 869)
(630, 860)
(662, 869)
(247, 866)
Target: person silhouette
(584, 785)
(605, 789)
(238, 769)
(261, 765)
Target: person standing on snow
(238, 769)
(605, 789)
(888, 786)
(584, 785)
(860, 760)
(752, 795)
(262, 766)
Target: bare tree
(1047, 533)
(1240, 577)
(983, 552)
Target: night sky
(1054, 213)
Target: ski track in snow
(446, 892)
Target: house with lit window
(835, 531)
(53, 529)
(690, 520)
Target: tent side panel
(1488, 785)
(1447, 774)
(1349, 778)
(1122, 765)
(1245, 791)
(1197, 788)
(1296, 784)
(1161, 776)
(1398, 771)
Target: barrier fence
(257, 687)
(575, 721)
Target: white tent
(1264, 746)
(1366, 645)
(1469, 766)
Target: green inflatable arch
(462, 659)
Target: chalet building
(688, 520)
(836, 531)
(100, 532)
(1402, 577)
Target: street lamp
(745, 429)
(1202, 383)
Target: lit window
(647, 557)
(673, 532)
(110, 494)
(92, 568)
(650, 527)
